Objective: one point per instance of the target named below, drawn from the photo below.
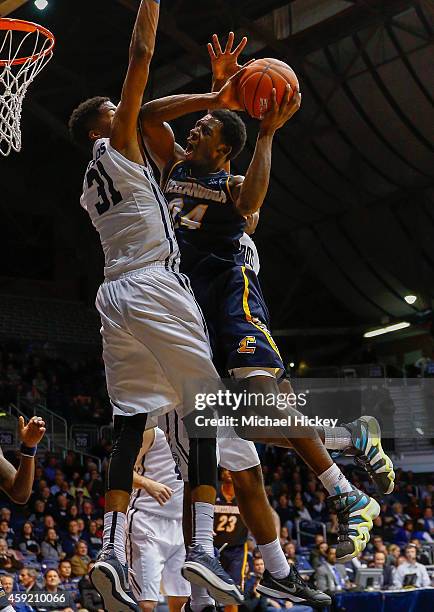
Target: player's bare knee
(147, 606)
(248, 482)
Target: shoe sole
(219, 590)
(275, 594)
(106, 581)
(370, 513)
(375, 432)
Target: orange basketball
(257, 82)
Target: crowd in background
(52, 541)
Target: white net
(23, 54)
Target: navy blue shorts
(237, 318)
(234, 560)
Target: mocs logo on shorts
(247, 345)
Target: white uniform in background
(153, 332)
(233, 453)
(155, 542)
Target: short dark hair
(233, 130)
(82, 118)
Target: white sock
(337, 438)
(334, 481)
(274, 559)
(200, 598)
(114, 533)
(8, 609)
(203, 526)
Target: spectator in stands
(331, 577)
(61, 510)
(380, 563)
(421, 533)
(27, 580)
(80, 560)
(51, 468)
(71, 539)
(90, 599)
(79, 487)
(399, 518)
(411, 566)
(404, 534)
(319, 507)
(289, 550)
(421, 555)
(8, 558)
(73, 512)
(7, 582)
(51, 548)
(284, 536)
(394, 552)
(95, 539)
(258, 566)
(39, 513)
(332, 527)
(300, 510)
(428, 520)
(285, 512)
(318, 556)
(378, 544)
(68, 582)
(64, 601)
(95, 485)
(87, 512)
(27, 542)
(7, 533)
(59, 478)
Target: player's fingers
(20, 423)
(216, 43)
(230, 42)
(274, 105)
(240, 48)
(211, 52)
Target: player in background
(155, 542)
(17, 484)
(230, 532)
(247, 245)
(153, 333)
(209, 206)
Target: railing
(83, 437)
(46, 442)
(300, 530)
(57, 427)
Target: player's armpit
(7, 474)
(158, 141)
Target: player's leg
(177, 589)
(178, 340)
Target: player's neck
(203, 168)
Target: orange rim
(26, 26)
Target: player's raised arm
(249, 192)
(157, 133)
(124, 129)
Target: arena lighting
(386, 330)
(41, 4)
(292, 364)
(410, 299)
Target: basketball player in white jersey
(152, 329)
(155, 541)
(17, 483)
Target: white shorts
(154, 340)
(233, 453)
(156, 554)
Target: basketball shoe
(292, 588)
(110, 578)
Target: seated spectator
(411, 566)
(38, 514)
(87, 512)
(68, 583)
(7, 533)
(421, 533)
(394, 552)
(80, 560)
(94, 539)
(331, 577)
(58, 480)
(398, 515)
(27, 580)
(319, 507)
(8, 558)
(380, 563)
(71, 538)
(421, 555)
(90, 599)
(64, 601)
(332, 527)
(318, 556)
(284, 536)
(95, 485)
(7, 582)
(285, 512)
(79, 488)
(61, 511)
(405, 533)
(51, 548)
(428, 520)
(300, 510)
(27, 542)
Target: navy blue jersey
(205, 218)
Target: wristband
(28, 451)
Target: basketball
(257, 82)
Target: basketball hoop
(25, 49)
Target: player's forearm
(19, 487)
(145, 30)
(170, 108)
(255, 186)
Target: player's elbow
(141, 51)
(19, 497)
(247, 207)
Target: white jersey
(158, 464)
(251, 257)
(126, 206)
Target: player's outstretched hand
(32, 433)
(160, 492)
(225, 63)
(228, 97)
(277, 115)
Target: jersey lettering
(95, 175)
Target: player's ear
(94, 135)
(225, 150)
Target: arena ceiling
(347, 229)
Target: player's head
(217, 138)
(225, 476)
(91, 120)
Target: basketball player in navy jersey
(208, 206)
(153, 333)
